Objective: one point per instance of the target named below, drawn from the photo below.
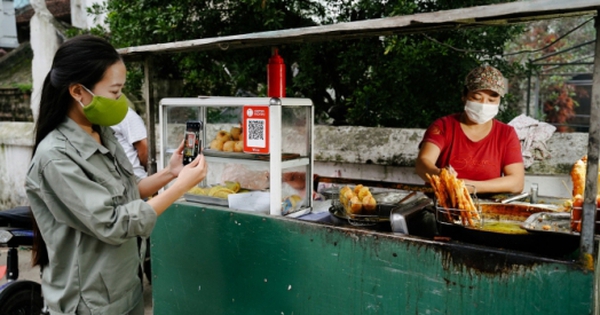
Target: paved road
(26, 272)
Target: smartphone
(193, 143)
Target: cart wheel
(21, 297)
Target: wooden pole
(591, 179)
(151, 106)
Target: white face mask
(480, 113)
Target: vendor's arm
(425, 164)
(512, 181)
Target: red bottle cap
(276, 59)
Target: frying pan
(547, 244)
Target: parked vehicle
(17, 296)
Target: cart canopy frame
(489, 15)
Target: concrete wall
(16, 140)
(14, 105)
(385, 154)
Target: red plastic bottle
(276, 76)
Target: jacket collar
(83, 142)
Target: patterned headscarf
(486, 78)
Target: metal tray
(247, 156)
(206, 200)
(549, 222)
(386, 201)
(362, 220)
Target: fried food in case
(228, 141)
(217, 191)
(358, 200)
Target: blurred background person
(133, 137)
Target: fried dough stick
(578, 176)
(471, 204)
(448, 182)
(457, 190)
(446, 185)
(459, 194)
(439, 191)
(467, 206)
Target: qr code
(256, 129)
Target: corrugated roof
(59, 8)
(497, 14)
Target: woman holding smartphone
(87, 204)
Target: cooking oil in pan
(506, 227)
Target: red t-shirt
(480, 160)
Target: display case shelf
(289, 141)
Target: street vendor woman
(484, 152)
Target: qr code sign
(256, 129)
(256, 132)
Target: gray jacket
(86, 202)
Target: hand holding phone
(192, 142)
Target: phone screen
(193, 143)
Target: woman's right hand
(189, 177)
(193, 173)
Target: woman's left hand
(176, 161)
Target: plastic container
(276, 76)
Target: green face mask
(105, 111)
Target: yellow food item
(223, 193)
(223, 135)
(369, 203)
(234, 186)
(238, 146)
(355, 206)
(578, 173)
(216, 145)
(235, 133)
(220, 191)
(346, 194)
(363, 192)
(578, 176)
(358, 200)
(344, 190)
(198, 191)
(357, 189)
(228, 146)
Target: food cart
(210, 259)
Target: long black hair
(82, 59)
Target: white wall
(79, 16)
(44, 43)
(345, 157)
(15, 154)
(8, 25)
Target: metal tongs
(520, 196)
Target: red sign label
(256, 129)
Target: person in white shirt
(133, 137)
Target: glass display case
(259, 150)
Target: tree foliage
(396, 81)
(552, 53)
